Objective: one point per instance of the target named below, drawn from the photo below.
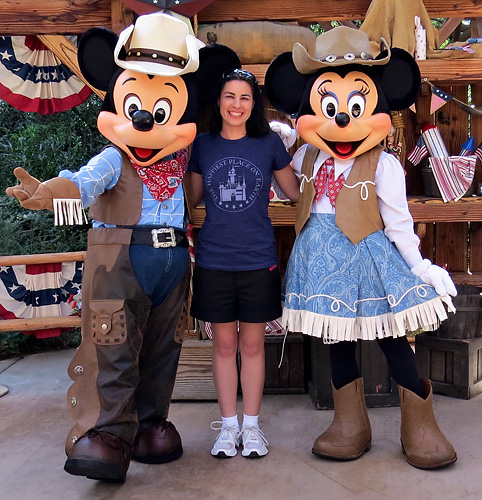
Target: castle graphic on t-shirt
(234, 189)
(234, 183)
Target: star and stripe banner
(38, 291)
(33, 79)
(454, 175)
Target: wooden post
(67, 53)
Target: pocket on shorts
(108, 321)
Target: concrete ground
(34, 422)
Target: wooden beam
(66, 51)
(29, 17)
(26, 325)
(448, 27)
(42, 258)
(314, 10)
(121, 16)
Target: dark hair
(257, 124)
(381, 107)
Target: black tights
(400, 358)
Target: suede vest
(357, 213)
(121, 205)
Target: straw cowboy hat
(337, 47)
(158, 44)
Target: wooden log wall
(22, 17)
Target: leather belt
(162, 237)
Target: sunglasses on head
(245, 75)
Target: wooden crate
(290, 377)
(467, 322)
(380, 388)
(453, 365)
(194, 380)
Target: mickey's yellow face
(145, 124)
(344, 124)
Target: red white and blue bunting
(33, 79)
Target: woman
(236, 278)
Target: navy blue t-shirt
(237, 234)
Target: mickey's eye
(162, 111)
(329, 106)
(356, 105)
(131, 104)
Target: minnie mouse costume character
(356, 271)
(136, 271)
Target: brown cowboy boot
(423, 443)
(350, 434)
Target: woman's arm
(288, 182)
(194, 188)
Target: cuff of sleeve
(421, 268)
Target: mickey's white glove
(436, 276)
(286, 133)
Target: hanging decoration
(34, 79)
(39, 291)
(441, 97)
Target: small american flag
(418, 153)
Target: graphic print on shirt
(234, 183)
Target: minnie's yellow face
(145, 124)
(344, 125)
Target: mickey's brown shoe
(157, 442)
(99, 455)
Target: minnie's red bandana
(163, 178)
(328, 182)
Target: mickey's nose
(342, 120)
(142, 120)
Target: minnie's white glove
(436, 276)
(286, 133)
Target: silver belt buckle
(163, 244)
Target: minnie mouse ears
(399, 78)
(284, 84)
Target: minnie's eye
(131, 104)
(162, 111)
(356, 105)
(329, 106)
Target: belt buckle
(163, 244)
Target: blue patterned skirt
(340, 291)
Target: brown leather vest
(357, 213)
(121, 205)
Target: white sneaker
(227, 441)
(254, 442)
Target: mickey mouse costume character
(356, 271)
(136, 271)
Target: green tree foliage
(43, 145)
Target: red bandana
(163, 178)
(321, 181)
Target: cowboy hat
(337, 47)
(158, 44)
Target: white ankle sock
(231, 422)
(250, 420)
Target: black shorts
(226, 296)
